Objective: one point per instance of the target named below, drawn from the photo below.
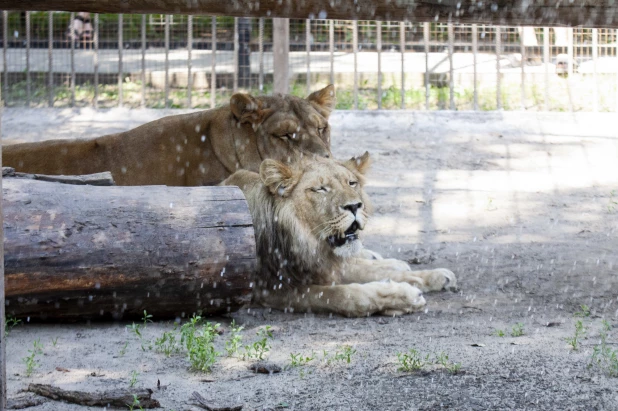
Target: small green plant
(133, 379)
(603, 356)
(30, 361)
(580, 331)
(261, 347)
(167, 344)
(147, 318)
(499, 333)
(345, 354)
(585, 311)
(9, 323)
(54, 341)
(298, 360)
(123, 350)
(411, 361)
(234, 343)
(135, 329)
(135, 403)
(518, 330)
(442, 359)
(199, 342)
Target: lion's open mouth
(348, 236)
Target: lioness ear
(324, 100)
(359, 164)
(248, 109)
(279, 178)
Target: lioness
(201, 148)
(307, 217)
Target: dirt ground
(523, 207)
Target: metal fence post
(28, 80)
(426, 42)
(5, 46)
(120, 46)
(143, 33)
(96, 61)
(498, 74)
(50, 59)
(355, 47)
(189, 50)
(261, 54)
(595, 58)
(331, 49)
(546, 65)
(2, 307)
(243, 51)
(475, 49)
(72, 64)
(402, 46)
(166, 84)
(236, 51)
(308, 57)
(213, 62)
(451, 73)
(522, 48)
(379, 50)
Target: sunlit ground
(523, 207)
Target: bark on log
(590, 13)
(116, 398)
(74, 252)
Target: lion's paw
(394, 298)
(440, 279)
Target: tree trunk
(74, 252)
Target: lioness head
(323, 201)
(288, 127)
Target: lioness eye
(321, 130)
(290, 136)
(321, 189)
(353, 183)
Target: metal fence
(199, 61)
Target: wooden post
(281, 51)
(2, 319)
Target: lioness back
(201, 148)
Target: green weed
(133, 379)
(517, 330)
(30, 361)
(585, 311)
(442, 359)
(580, 331)
(411, 361)
(499, 333)
(604, 357)
(298, 360)
(9, 323)
(234, 343)
(123, 350)
(199, 342)
(261, 347)
(167, 344)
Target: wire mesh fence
(76, 59)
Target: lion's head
(287, 127)
(322, 203)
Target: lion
(307, 217)
(201, 148)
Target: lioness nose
(353, 207)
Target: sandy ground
(518, 205)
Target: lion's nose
(353, 207)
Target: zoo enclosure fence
(181, 61)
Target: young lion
(307, 217)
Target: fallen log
(75, 252)
(139, 397)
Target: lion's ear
(324, 100)
(248, 109)
(359, 164)
(279, 178)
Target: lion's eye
(321, 130)
(353, 183)
(320, 189)
(288, 136)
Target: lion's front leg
(361, 270)
(352, 300)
